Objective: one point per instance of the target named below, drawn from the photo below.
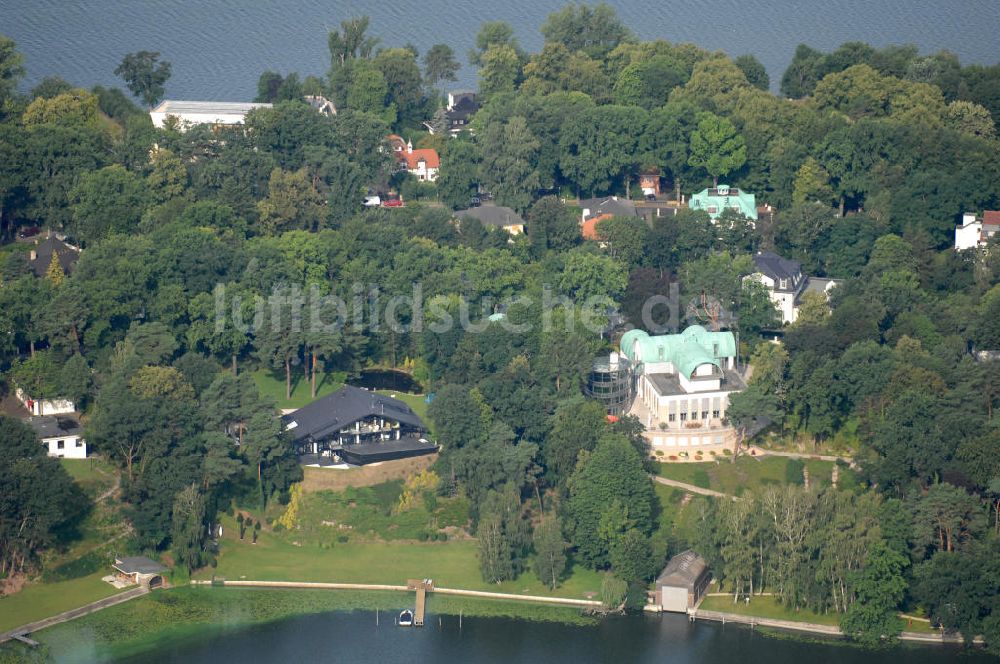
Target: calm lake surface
(354, 637)
(219, 47)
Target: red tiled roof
(589, 227)
(991, 218)
(429, 155)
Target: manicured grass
(41, 600)
(767, 607)
(272, 384)
(749, 473)
(453, 564)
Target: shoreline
(814, 628)
(363, 596)
(481, 594)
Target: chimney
(34, 255)
(409, 147)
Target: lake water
(219, 47)
(354, 637)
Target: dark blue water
(354, 637)
(219, 47)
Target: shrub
(727, 451)
(423, 535)
(343, 539)
(442, 537)
(74, 569)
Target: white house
(63, 436)
(786, 284)
(190, 113)
(974, 232)
(683, 383)
(54, 406)
(421, 163)
(783, 280)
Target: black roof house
(782, 271)
(53, 426)
(358, 426)
(493, 215)
(613, 205)
(41, 255)
(461, 107)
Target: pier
(421, 586)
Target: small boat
(406, 618)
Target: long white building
(190, 113)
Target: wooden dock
(421, 586)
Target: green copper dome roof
(686, 351)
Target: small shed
(682, 583)
(140, 570)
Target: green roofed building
(715, 200)
(683, 383)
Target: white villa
(683, 383)
(976, 232)
(190, 113)
(786, 284)
(62, 436)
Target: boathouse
(682, 583)
(139, 570)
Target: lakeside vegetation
(175, 615)
(867, 162)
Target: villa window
(704, 414)
(60, 444)
(684, 417)
(712, 209)
(671, 417)
(715, 414)
(783, 283)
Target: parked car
(373, 201)
(650, 197)
(29, 231)
(475, 202)
(392, 203)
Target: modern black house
(356, 426)
(461, 107)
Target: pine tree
(54, 273)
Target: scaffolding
(612, 382)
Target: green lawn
(750, 474)
(280, 557)
(767, 607)
(94, 475)
(41, 600)
(272, 384)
